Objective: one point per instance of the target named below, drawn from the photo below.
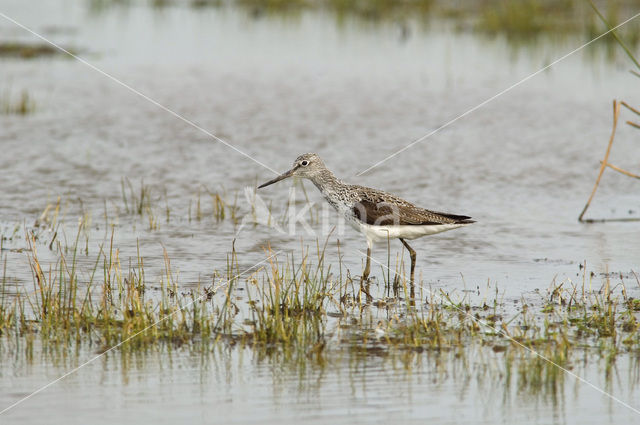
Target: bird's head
(308, 166)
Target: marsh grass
(527, 18)
(222, 206)
(520, 22)
(304, 308)
(22, 105)
(29, 51)
(146, 204)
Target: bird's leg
(412, 254)
(364, 282)
(367, 267)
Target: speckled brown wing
(380, 208)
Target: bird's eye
(304, 163)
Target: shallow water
(273, 87)
(243, 388)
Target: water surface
(275, 87)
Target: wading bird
(378, 215)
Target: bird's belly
(380, 233)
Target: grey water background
(275, 87)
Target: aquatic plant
(604, 163)
(29, 51)
(298, 307)
(24, 105)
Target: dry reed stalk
(635, 111)
(620, 170)
(604, 163)
(616, 114)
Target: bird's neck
(326, 182)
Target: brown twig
(616, 113)
(607, 220)
(631, 108)
(632, 124)
(620, 170)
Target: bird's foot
(365, 283)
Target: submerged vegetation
(28, 50)
(528, 17)
(23, 105)
(304, 308)
(145, 202)
(147, 205)
(521, 21)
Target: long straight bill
(277, 179)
